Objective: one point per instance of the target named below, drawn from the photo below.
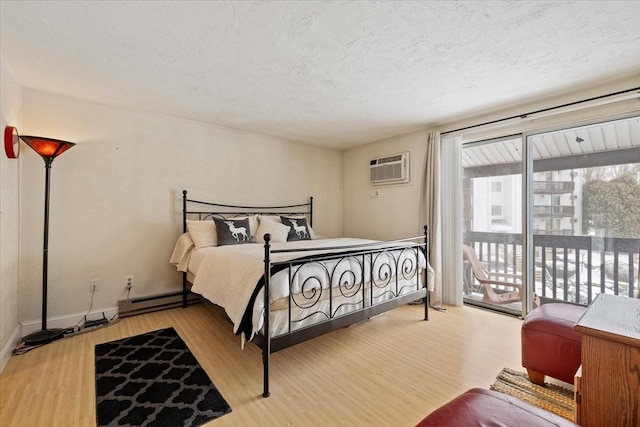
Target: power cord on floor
(23, 348)
(421, 302)
(126, 305)
(77, 326)
(92, 328)
(81, 327)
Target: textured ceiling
(337, 74)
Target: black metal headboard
(203, 210)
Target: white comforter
(228, 275)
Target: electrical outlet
(94, 285)
(129, 282)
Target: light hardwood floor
(389, 371)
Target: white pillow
(203, 233)
(278, 231)
(273, 218)
(182, 252)
(276, 218)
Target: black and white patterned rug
(153, 380)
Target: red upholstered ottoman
(550, 345)
(480, 407)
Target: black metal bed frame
(347, 286)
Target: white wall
(394, 214)
(116, 196)
(10, 114)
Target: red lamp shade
(48, 148)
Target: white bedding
(228, 275)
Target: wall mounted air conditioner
(391, 169)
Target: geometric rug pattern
(153, 380)
(551, 397)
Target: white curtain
(430, 214)
(441, 209)
(451, 211)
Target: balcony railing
(567, 268)
(553, 187)
(561, 232)
(553, 211)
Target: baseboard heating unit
(147, 304)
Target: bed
(269, 271)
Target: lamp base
(43, 336)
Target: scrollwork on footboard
(315, 298)
(333, 290)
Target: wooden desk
(609, 393)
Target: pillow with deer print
(232, 231)
(299, 228)
(276, 218)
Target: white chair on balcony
(499, 288)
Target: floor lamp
(49, 149)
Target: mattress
(332, 283)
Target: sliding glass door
(492, 224)
(586, 210)
(579, 206)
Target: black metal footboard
(385, 276)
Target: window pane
(492, 183)
(586, 210)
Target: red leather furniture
(550, 346)
(480, 407)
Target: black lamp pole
(45, 247)
(48, 148)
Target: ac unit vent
(392, 169)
